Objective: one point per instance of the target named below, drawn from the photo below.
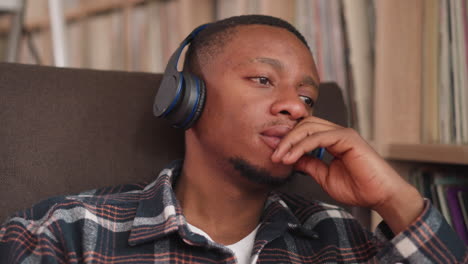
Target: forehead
(252, 41)
(259, 31)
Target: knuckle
(351, 131)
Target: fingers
(297, 134)
(303, 130)
(313, 167)
(299, 149)
(332, 140)
(314, 119)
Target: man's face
(258, 88)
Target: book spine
(455, 212)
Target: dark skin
(258, 107)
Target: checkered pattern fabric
(144, 224)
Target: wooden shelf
(95, 8)
(436, 153)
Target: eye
(307, 100)
(262, 80)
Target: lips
(273, 135)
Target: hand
(357, 176)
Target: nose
(290, 105)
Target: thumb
(314, 167)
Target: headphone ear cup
(189, 108)
(169, 94)
(199, 105)
(181, 95)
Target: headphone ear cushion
(198, 107)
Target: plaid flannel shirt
(145, 224)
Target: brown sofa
(68, 130)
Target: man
(217, 205)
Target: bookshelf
(132, 35)
(145, 32)
(83, 11)
(407, 100)
(432, 153)
(398, 87)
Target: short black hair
(212, 38)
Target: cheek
(216, 116)
(237, 109)
(221, 103)
(234, 107)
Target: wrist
(402, 209)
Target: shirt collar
(159, 213)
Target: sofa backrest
(67, 130)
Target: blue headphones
(181, 95)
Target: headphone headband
(171, 68)
(181, 95)
(178, 98)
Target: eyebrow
(307, 80)
(273, 62)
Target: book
(398, 71)
(321, 23)
(228, 8)
(435, 198)
(358, 33)
(283, 9)
(455, 210)
(445, 83)
(464, 67)
(454, 9)
(449, 178)
(155, 61)
(98, 49)
(443, 204)
(463, 200)
(139, 38)
(442, 181)
(336, 36)
(430, 77)
(422, 179)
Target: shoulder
(62, 222)
(332, 223)
(73, 208)
(304, 209)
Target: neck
(216, 199)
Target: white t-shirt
(242, 249)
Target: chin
(268, 173)
(279, 170)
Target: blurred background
(402, 65)
(366, 46)
(140, 35)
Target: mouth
(272, 142)
(273, 135)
